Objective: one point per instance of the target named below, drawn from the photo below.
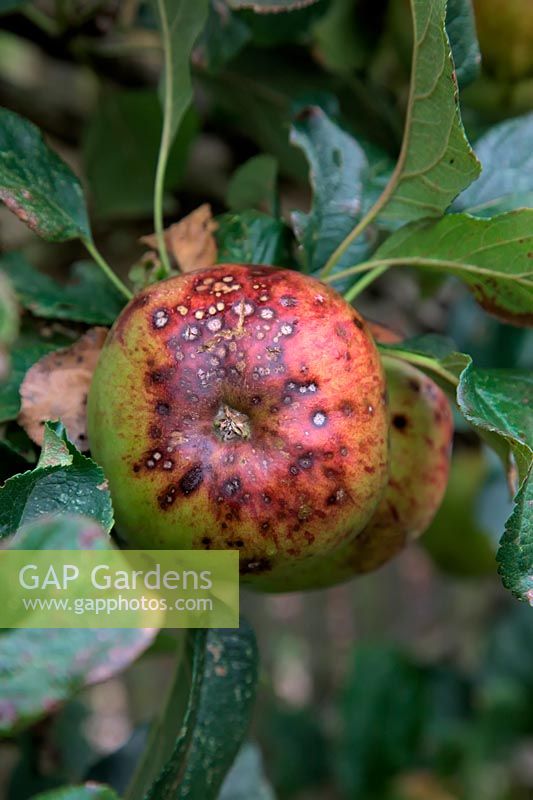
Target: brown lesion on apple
(255, 566)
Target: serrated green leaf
(89, 297)
(205, 720)
(436, 161)
(507, 179)
(271, 6)
(63, 481)
(461, 30)
(515, 556)
(500, 401)
(492, 256)
(338, 165)
(252, 238)
(120, 150)
(87, 791)
(253, 185)
(41, 668)
(37, 185)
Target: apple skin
(241, 407)
(421, 432)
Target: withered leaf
(56, 387)
(190, 241)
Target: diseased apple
(420, 450)
(241, 407)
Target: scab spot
(192, 479)
(231, 487)
(266, 313)
(288, 301)
(163, 409)
(399, 421)
(160, 318)
(319, 419)
(286, 329)
(306, 461)
(191, 333)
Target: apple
(241, 407)
(420, 449)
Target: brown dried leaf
(56, 387)
(190, 241)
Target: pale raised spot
(214, 325)
(266, 313)
(200, 314)
(319, 419)
(212, 310)
(220, 306)
(183, 310)
(286, 329)
(161, 318)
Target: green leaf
(224, 35)
(120, 151)
(493, 257)
(89, 791)
(515, 556)
(205, 720)
(63, 481)
(500, 401)
(253, 185)
(246, 778)
(252, 238)
(89, 298)
(436, 161)
(338, 165)
(180, 22)
(507, 179)
(37, 185)
(41, 668)
(271, 6)
(461, 30)
(27, 349)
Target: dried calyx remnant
(231, 425)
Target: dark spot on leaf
(163, 409)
